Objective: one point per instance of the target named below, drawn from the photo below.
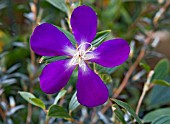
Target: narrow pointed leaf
(161, 82)
(119, 114)
(68, 34)
(73, 102)
(128, 108)
(47, 59)
(100, 36)
(60, 94)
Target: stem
(145, 89)
(2, 113)
(32, 56)
(81, 2)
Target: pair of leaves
(159, 116)
(54, 110)
(58, 111)
(159, 95)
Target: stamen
(81, 55)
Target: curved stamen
(81, 55)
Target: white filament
(81, 54)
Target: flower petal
(84, 24)
(111, 53)
(55, 76)
(47, 40)
(91, 91)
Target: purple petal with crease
(91, 91)
(84, 24)
(55, 76)
(111, 53)
(47, 40)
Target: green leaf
(161, 70)
(38, 102)
(102, 69)
(145, 66)
(60, 94)
(52, 59)
(60, 4)
(126, 15)
(100, 36)
(165, 119)
(128, 108)
(69, 35)
(159, 95)
(57, 112)
(106, 78)
(73, 102)
(155, 114)
(161, 82)
(32, 99)
(119, 114)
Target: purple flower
(47, 40)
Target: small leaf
(60, 4)
(32, 99)
(119, 114)
(128, 108)
(161, 82)
(161, 70)
(145, 66)
(27, 96)
(60, 94)
(38, 102)
(51, 59)
(73, 102)
(57, 112)
(155, 114)
(106, 78)
(100, 36)
(164, 119)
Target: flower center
(82, 54)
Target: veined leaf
(100, 36)
(57, 112)
(60, 94)
(161, 70)
(156, 114)
(73, 102)
(119, 113)
(38, 102)
(51, 59)
(164, 119)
